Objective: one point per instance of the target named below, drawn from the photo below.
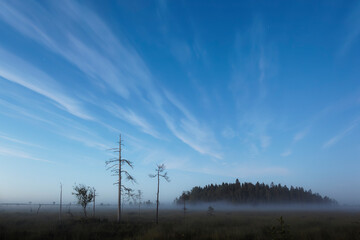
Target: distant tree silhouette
(159, 173)
(248, 193)
(84, 195)
(37, 212)
(60, 209)
(138, 198)
(185, 197)
(210, 211)
(115, 165)
(94, 203)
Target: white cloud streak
(352, 25)
(8, 152)
(190, 131)
(245, 171)
(103, 57)
(341, 135)
(300, 135)
(14, 140)
(132, 118)
(39, 82)
(286, 153)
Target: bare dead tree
(138, 199)
(37, 212)
(159, 173)
(185, 196)
(130, 195)
(116, 166)
(94, 201)
(69, 211)
(60, 210)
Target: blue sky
(260, 91)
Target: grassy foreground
(173, 225)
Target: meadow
(16, 223)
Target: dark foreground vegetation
(245, 193)
(173, 224)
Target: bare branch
(115, 165)
(129, 163)
(166, 177)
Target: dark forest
(248, 193)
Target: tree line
(248, 193)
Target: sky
(264, 91)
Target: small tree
(281, 231)
(210, 211)
(84, 195)
(159, 170)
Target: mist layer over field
(20, 222)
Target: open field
(16, 223)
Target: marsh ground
(16, 223)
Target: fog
(217, 206)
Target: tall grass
(173, 225)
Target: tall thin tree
(60, 210)
(94, 201)
(116, 166)
(185, 197)
(159, 173)
(138, 199)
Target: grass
(173, 225)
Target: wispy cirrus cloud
(16, 111)
(190, 131)
(39, 82)
(300, 135)
(342, 134)
(247, 171)
(297, 137)
(133, 118)
(286, 153)
(352, 27)
(15, 153)
(68, 128)
(103, 57)
(108, 60)
(100, 54)
(15, 140)
(253, 64)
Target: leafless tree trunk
(119, 190)
(159, 170)
(185, 196)
(157, 198)
(94, 202)
(138, 198)
(60, 210)
(37, 212)
(184, 208)
(115, 165)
